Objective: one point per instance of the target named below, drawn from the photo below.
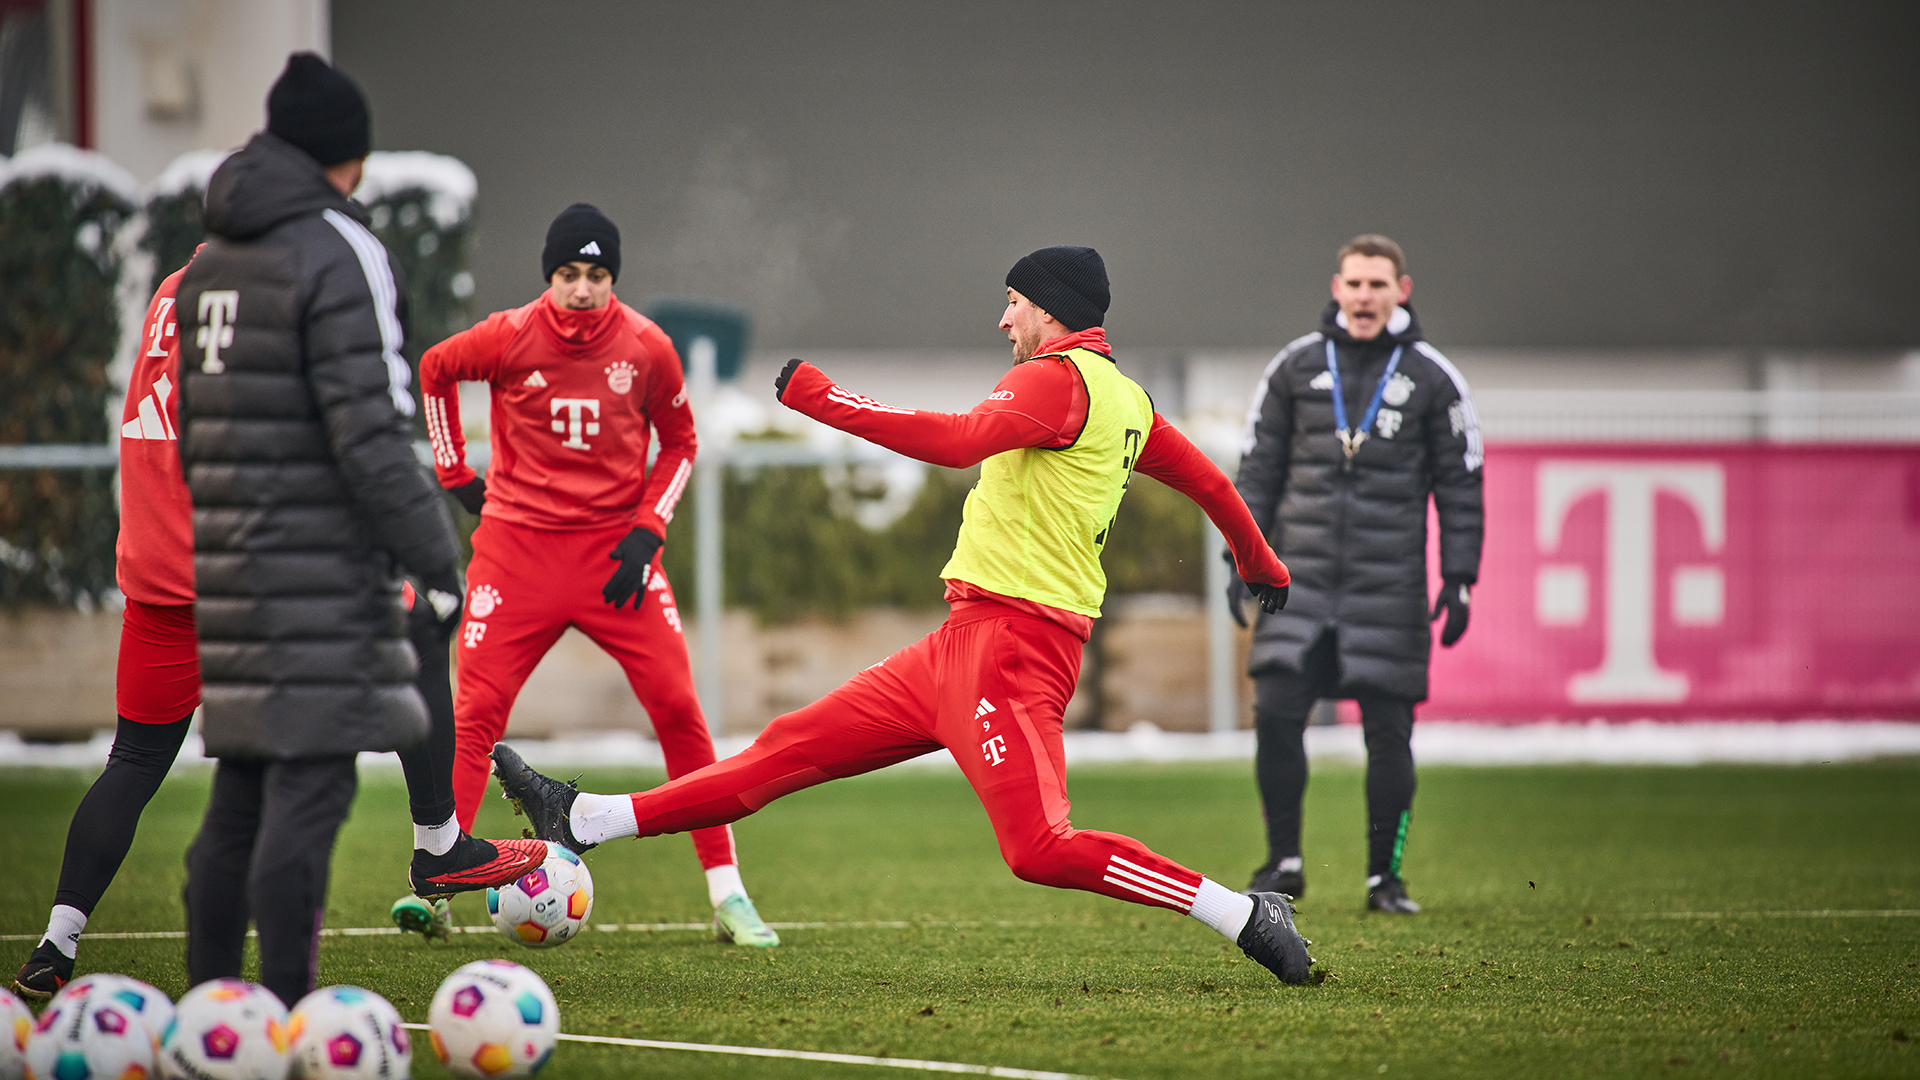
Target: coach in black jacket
(1342, 494)
(308, 500)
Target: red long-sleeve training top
(574, 393)
(1041, 403)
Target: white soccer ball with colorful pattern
(227, 1029)
(545, 907)
(493, 1018)
(347, 1033)
(154, 1008)
(16, 1023)
(91, 1035)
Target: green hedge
(58, 331)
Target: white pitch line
(814, 1055)
(603, 928)
(1889, 913)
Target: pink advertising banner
(1692, 582)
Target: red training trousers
(157, 677)
(524, 588)
(990, 685)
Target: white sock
(63, 929)
(1290, 866)
(1222, 908)
(596, 819)
(436, 839)
(724, 881)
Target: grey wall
(1593, 174)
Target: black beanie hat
(1068, 283)
(318, 109)
(581, 234)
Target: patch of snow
(191, 170)
(82, 168)
(451, 185)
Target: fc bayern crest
(620, 377)
(1398, 390)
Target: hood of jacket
(1400, 330)
(267, 182)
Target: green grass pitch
(1547, 948)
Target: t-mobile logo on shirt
(575, 424)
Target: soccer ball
(493, 1018)
(16, 1023)
(545, 907)
(346, 1033)
(226, 1029)
(91, 1035)
(154, 1008)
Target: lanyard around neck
(1351, 438)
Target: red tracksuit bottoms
(990, 685)
(524, 588)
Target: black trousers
(103, 824)
(429, 766)
(1282, 700)
(262, 856)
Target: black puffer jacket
(1355, 539)
(299, 456)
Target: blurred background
(1671, 248)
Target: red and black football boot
(472, 864)
(45, 972)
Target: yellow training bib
(1035, 523)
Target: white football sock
(596, 819)
(1221, 908)
(63, 929)
(436, 839)
(724, 881)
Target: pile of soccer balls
(489, 1019)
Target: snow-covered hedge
(60, 211)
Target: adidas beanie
(1068, 283)
(318, 109)
(581, 234)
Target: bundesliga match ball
(346, 1033)
(493, 1018)
(548, 906)
(16, 1023)
(91, 1035)
(154, 1008)
(226, 1029)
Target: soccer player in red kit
(1057, 441)
(578, 380)
(157, 681)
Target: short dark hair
(1375, 245)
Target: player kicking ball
(578, 381)
(1056, 442)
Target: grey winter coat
(298, 451)
(1355, 538)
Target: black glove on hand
(786, 373)
(472, 495)
(1453, 598)
(1272, 597)
(443, 596)
(635, 554)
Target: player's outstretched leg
(545, 802)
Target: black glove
(635, 554)
(472, 495)
(1271, 597)
(1453, 598)
(443, 595)
(786, 373)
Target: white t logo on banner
(1628, 671)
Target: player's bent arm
(955, 441)
(1174, 461)
(472, 355)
